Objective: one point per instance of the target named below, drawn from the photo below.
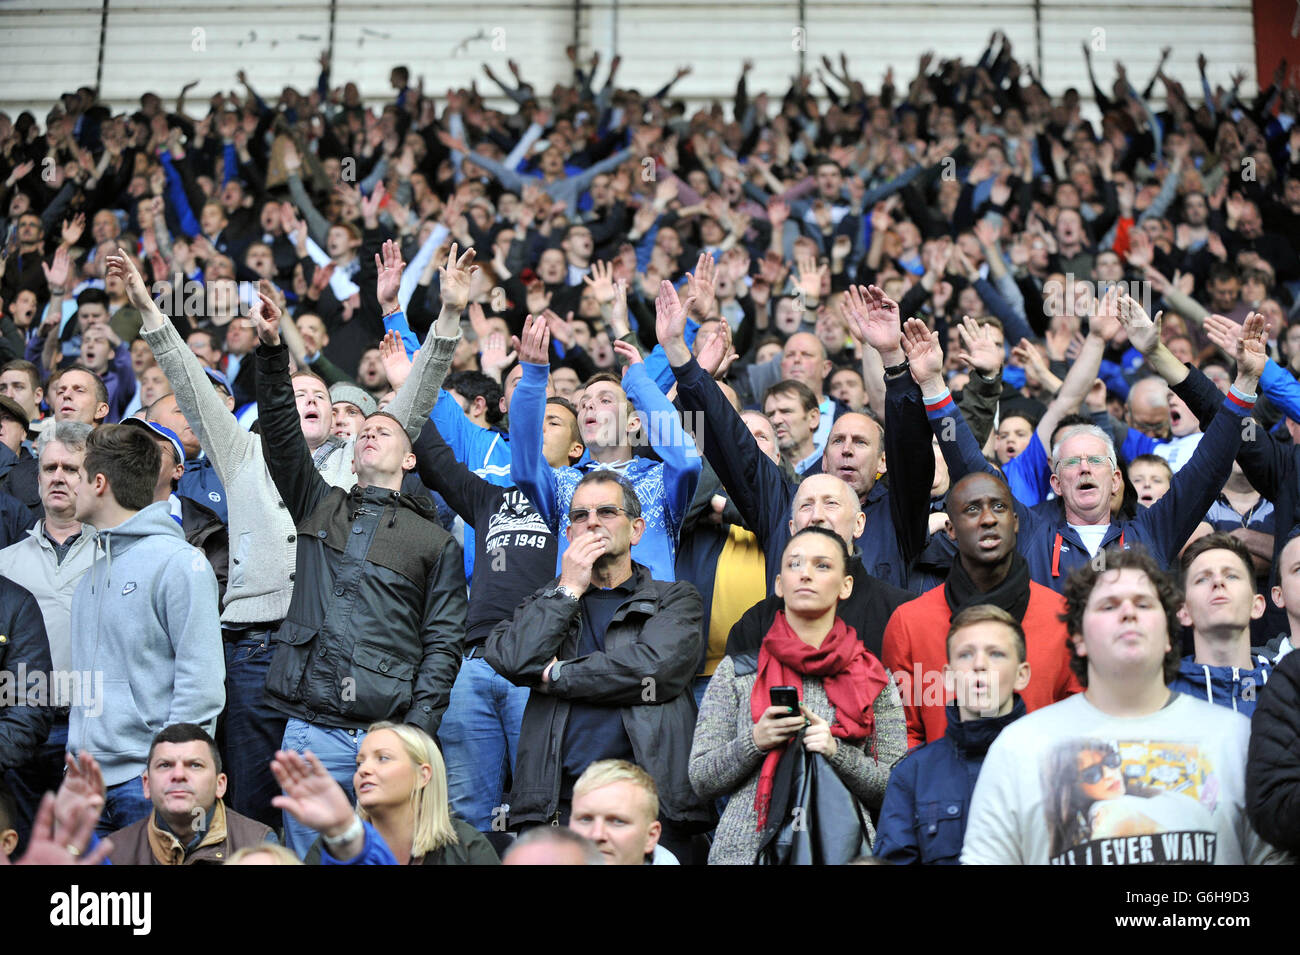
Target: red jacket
(915, 652)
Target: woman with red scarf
(850, 710)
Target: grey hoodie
(146, 631)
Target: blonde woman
(402, 817)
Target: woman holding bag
(850, 710)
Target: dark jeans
(42, 774)
(124, 804)
(252, 731)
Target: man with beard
(988, 570)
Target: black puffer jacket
(25, 663)
(652, 647)
(1273, 766)
(375, 628)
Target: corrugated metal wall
(48, 46)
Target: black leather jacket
(375, 628)
(652, 648)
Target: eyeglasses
(1096, 771)
(606, 512)
(1094, 460)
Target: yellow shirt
(739, 582)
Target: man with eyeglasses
(610, 654)
(1085, 471)
(1128, 772)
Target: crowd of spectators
(897, 469)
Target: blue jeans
(252, 731)
(124, 804)
(41, 774)
(337, 750)
(479, 736)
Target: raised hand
(618, 312)
(777, 212)
(1143, 331)
(392, 354)
(1252, 352)
(924, 356)
(81, 793)
(670, 316)
(493, 357)
(873, 319)
(716, 354)
(811, 278)
(56, 274)
(310, 794)
(601, 282)
(700, 287)
(49, 845)
(1105, 321)
(73, 228)
(388, 275)
(265, 315)
(370, 206)
(630, 354)
(979, 349)
(120, 264)
(1031, 358)
(455, 279)
(319, 280)
(1223, 333)
(534, 345)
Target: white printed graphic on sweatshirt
(518, 517)
(1121, 802)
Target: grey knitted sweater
(263, 551)
(725, 761)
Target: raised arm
(754, 482)
(218, 432)
(1083, 372)
(663, 426)
(874, 321)
(287, 455)
(528, 467)
(417, 395)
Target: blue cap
(161, 432)
(218, 378)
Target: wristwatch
(559, 590)
(347, 836)
(893, 370)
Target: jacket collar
(972, 738)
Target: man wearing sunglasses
(1128, 772)
(610, 654)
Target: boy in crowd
(1219, 603)
(923, 818)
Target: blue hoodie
(1225, 686)
(146, 633)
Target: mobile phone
(786, 696)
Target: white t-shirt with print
(1181, 799)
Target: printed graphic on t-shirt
(1123, 802)
(516, 523)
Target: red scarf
(851, 676)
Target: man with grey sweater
(262, 533)
(145, 624)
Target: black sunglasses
(606, 512)
(1094, 772)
